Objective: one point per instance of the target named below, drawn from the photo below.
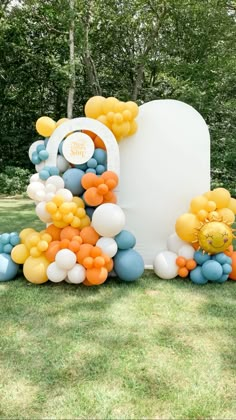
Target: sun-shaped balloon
(214, 236)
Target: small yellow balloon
(133, 128)
(93, 107)
(186, 227)
(78, 201)
(221, 197)
(24, 233)
(35, 269)
(45, 126)
(19, 254)
(202, 215)
(85, 221)
(61, 121)
(211, 205)
(109, 105)
(132, 107)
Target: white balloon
(56, 180)
(42, 212)
(66, 194)
(35, 178)
(40, 166)
(108, 219)
(55, 273)
(40, 195)
(33, 147)
(65, 259)
(165, 266)
(33, 188)
(49, 196)
(77, 274)
(50, 188)
(62, 163)
(186, 251)
(174, 243)
(108, 246)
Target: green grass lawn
(150, 349)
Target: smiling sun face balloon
(214, 237)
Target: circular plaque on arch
(78, 148)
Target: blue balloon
(5, 238)
(35, 158)
(197, 277)
(212, 270)
(43, 154)
(60, 148)
(125, 240)
(227, 268)
(100, 169)
(220, 257)
(7, 248)
(201, 257)
(53, 170)
(1, 248)
(72, 178)
(101, 156)
(8, 268)
(92, 163)
(14, 238)
(89, 211)
(128, 265)
(223, 278)
(40, 147)
(90, 170)
(82, 166)
(44, 174)
(46, 141)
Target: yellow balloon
(186, 227)
(221, 197)
(19, 254)
(35, 269)
(215, 237)
(227, 215)
(232, 204)
(24, 233)
(120, 106)
(61, 121)
(85, 221)
(45, 126)
(211, 205)
(208, 195)
(132, 107)
(109, 105)
(78, 201)
(198, 203)
(133, 128)
(127, 115)
(103, 119)
(202, 215)
(93, 107)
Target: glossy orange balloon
(54, 231)
(52, 250)
(97, 276)
(89, 235)
(232, 275)
(69, 232)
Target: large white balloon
(35, 178)
(42, 212)
(108, 219)
(33, 188)
(65, 193)
(174, 243)
(77, 274)
(55, 273)
(165, 265)
(62, 163)
(65, 259)
(108, 246)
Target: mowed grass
(150, 349)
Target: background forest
(56, 54)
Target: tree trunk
(71, 92)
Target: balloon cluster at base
(201, 246)
(84, 239)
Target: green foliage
(14, 180)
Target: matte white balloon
(40, 195)
(108, 246)
(35, 178)
(65, 259)
(66, 194)
(49, 196)
(165, 265)
(77, 274)
(108, 219)
(56, 180)
(50, 188)
(42, 213)
(55, 273)
(174, 243)
(186, 251)
(33, 188)
(40, 166)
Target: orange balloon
(99, 262)
(232, 275)
(74, 246)
(69, 232)
(99, 143)
(88, 180)
(52, 250)
(97, 276)
(102, 189)
(109, 264)
(64, 244)
(84, 252)
(181, 261)
(95, 252)
(229, 251)
(92, 197)
(191, 264)
(54, 231)
(89, 235)
(90, 134)
(110, 197)
(183, 272)
(110, 175)
(88, 262)
(86, 283)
